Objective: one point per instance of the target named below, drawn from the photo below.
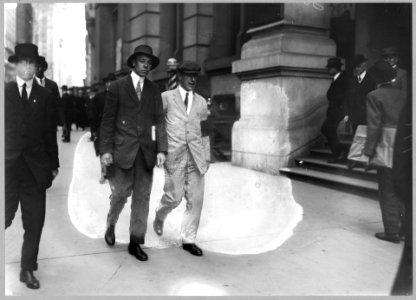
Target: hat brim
(334, 65)
(14, 58)
(189, 73)
(155, 59)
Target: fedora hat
(358, 60)
(24, 50)
(188, 68)
(146, 50)
(389, 51)
(334, 62)
(382, 72)
(42, 62)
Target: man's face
(40, 70)
(360, 68)
(188, 82)
(26, 68)
(392, 60)
(142, 65)
(332, 71)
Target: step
(332, 178)
(321, 152)
(320, 163)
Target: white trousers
(184, 181)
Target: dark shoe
(193, 249)
(110, 237)
(158, 226)
(31, 281)
(353, 165)
(136, 250)
(393, 238)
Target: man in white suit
(188, 154)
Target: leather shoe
(193, 249)
(136, 250)
(110, 237)
(31, 281)
(393, 238)
(158, 226)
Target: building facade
(263, 65)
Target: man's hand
(160, 159)
(107, 159)
(366, 161)
(54, 173)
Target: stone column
(284, 83)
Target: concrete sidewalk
(246, 232)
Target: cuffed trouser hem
(137, 240)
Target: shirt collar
(20, 82)
(337, 75)
(362, 75)
(183, 92)
(136, 78)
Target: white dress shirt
(337, 75)
(361, 76)
(20, 83)
(183, 92)
(136, 79)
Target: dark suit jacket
(127, 123)
(383, 109)
(53, 87)
(355, 98)
(30, 132)
(97, 110)
(336, 98)
(401, 79)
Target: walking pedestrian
(391, 56)
(31, 154)
(188, 157)
(133, 140)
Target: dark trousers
(21, 187)
(392, 209)
(329, 130)
(136, 181)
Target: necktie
(186, 101)
(138, 90)
(24, 94)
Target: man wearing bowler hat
(360, 84)
(188, 155)
(49, 84)
(31, 154)
(133, 141)
(390, 55)
(335, 112)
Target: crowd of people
(379, 98)
(134, 127)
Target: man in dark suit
(133, 140)
(391, 56)
(335, 112)
(383, 110)
(50, 85)
(359, 85)
(68, 108)
(31, 154)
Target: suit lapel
(131, 90)
(145, 93)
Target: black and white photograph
(207, 149)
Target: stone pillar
(284, 83)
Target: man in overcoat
(133, 140)
(31, 154)
(188, 155)
(383, 110)
(50, 85)
(335, 112)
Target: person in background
(188, 157)
(384, 105)
(132, 142)
(68, 107)
(31, 154)
(49, 84)
(335, 112)
(391, 56)
(97, 109)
